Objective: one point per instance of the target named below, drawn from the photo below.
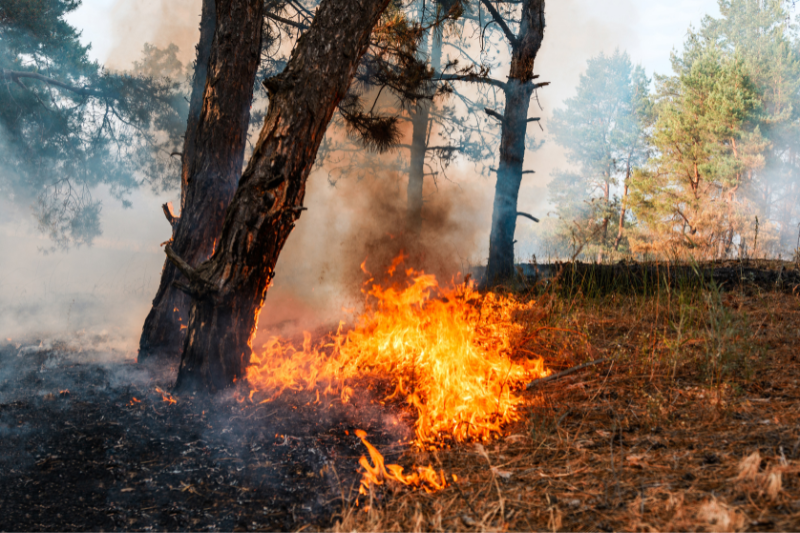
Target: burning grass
(453, 354)
(692, 425)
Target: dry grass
(692, 426)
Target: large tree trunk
(518, 92)
(227, 60)
(229, 289)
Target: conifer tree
(602, 130)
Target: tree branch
(474, 78)
(15, 76)
(526, 215)
(185, 268)
(170, 214)
(498, 18)
(553, 377)
(494, 114)
(289, 22)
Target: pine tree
(602, 129)
(710, 147)
(67, 125)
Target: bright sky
(578, 29)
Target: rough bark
(229, 289)
(518, 92)
(227, 60)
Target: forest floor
(691, 424)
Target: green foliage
(709, 143)
(602, 129)
(726, 139)
(67, 126)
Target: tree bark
(229, 289)
(416, 165)
(518, 92)
(420, 122)
(228, 56)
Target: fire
(167, 397)
(446, 352)
(377, 472)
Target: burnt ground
(113, 454)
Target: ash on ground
(90, 443)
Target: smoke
(109, 286)
(360, 222)
(157, 22)
(97, 293)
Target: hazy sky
(108, 287)
(648, 29)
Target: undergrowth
(695, 380)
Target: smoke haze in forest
(109, 286)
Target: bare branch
(526, 215)
(288, 22)
(170, 214)
(498, 18)
(494, 114)
(185, 268)
(474, 78)
(553, 377)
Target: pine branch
(15, 76)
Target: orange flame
(375, 473)
(167, 397)
(447, 352)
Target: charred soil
(92, 446)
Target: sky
(106, 289)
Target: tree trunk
(420, 122)
(623, 207)
(227, 60)
(229, 289)
(518, 92)
(416, 165)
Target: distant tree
(710, 147)
(602, 130)
(67, 126)
(762, 34)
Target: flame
(446, 352)
(375, 473)
(167, 397)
